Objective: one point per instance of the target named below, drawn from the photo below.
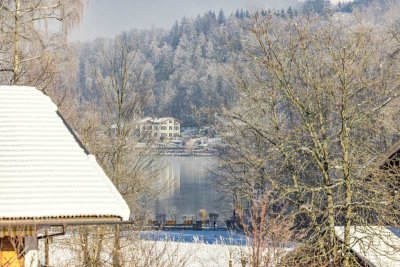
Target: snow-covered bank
(154, 253)
(158, 249)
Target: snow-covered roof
(157, 120)
(45, 172)
(378, 246)
(163, 119)
(145, 120)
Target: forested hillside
(186, 68)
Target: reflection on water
(189, 188)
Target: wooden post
(46, 249)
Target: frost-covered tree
(320, 7)
(33, 38)
(196, 46)
(313, 125)
(221, 17)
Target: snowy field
(161, 248)
(157, 253)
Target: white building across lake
(162, 128)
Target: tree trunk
(17, 57)
(85, 242)
(344, 140)
(97, 261)
(116, 258)
(47, 249)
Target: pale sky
(109, 17)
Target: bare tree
(311, 124)
(268, 232)
(33, 36)
(108, 127)
(123, 81)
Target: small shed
(47, 178)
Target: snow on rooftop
(147, 119)
(157, 120)
(376, 245)
(44, 172)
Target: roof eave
(63, 221)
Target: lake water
(190, 187)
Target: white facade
(162, 128)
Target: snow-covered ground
(161, 248)
(157, 253)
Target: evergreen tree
(221, 17)
(183, 52)
(282, 13)
(198, 55)
(237, 13)
(82, 74)
(174, 35)
(210, 50)
(263, 13)
(212, 15)
(242, 14)
(320, 7)
(290, 13)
